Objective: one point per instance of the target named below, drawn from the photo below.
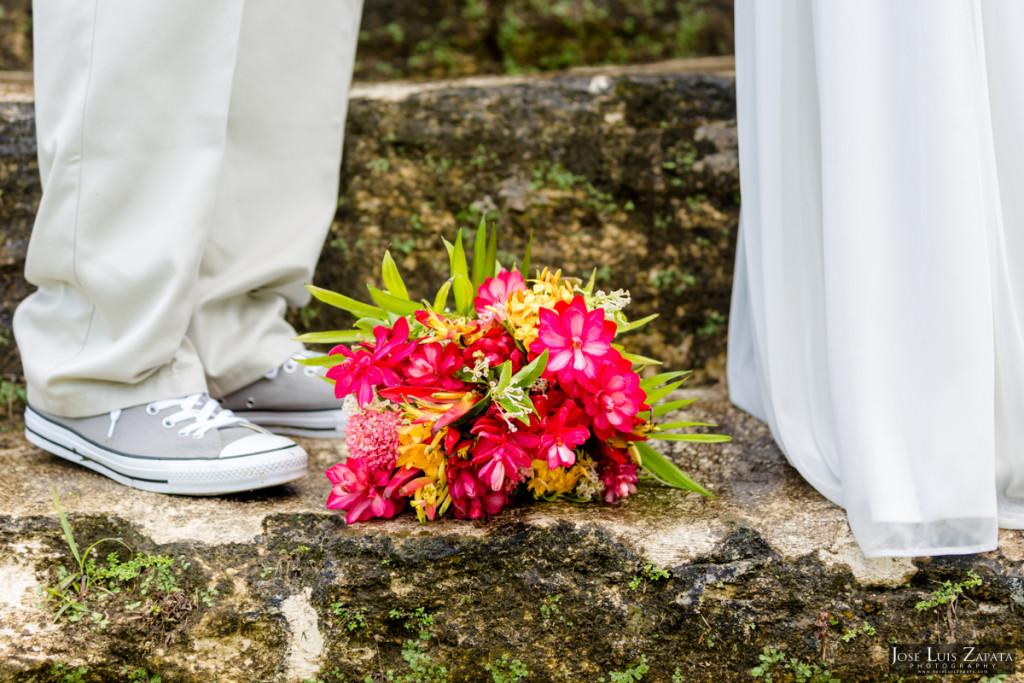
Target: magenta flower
(614, 397)
(362, 492)
(495, 291)
(576, 340)
(496, 346)
(433, 365)
(372, 436)
(561, 432)
(619, 479)
(501, 453)
(374, 365)
(471, 498)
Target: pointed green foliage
(464, 293)
(666, 472)
(480, 254)
(589, 289)
(322, 361)
(441, 300)
(656, 395)
(330, 337)
(636, 359)
(457, 258)
(528, 374)
(392, 304)
(367, 324)
(636, 324)
(681, 425)
(654, 381)
(504, 377)
(660, 410)
(694, 438)
(356, 308)
(392, 278)
(491, 258)
(524, 268)
(69, 536)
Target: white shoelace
(291, 365)
(200, 410)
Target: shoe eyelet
(197, 435)
(182, 433)
(250, 402)
(309, 372)
(151, 409)
(290, 367)
(167, 423)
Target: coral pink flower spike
(576, 340)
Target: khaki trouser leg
(278, 188)
(131, 101)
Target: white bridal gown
(878, 309)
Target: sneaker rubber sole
(311, 424)
(183, 476)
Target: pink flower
(614, 397)
(432, 365)
(364, 493)
(372, 436)
(496, 346)
(619, 479)
(495, 291)
(561, 431)
(374, 365)
(499, 451)
(470, 496)
(576, 340)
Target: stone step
(628, 170)
(441, 38)
(697, 588)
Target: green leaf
(491, 259)
(657, 394)
(660, 410)
(357, 308)
(639, 360)
(392, 278)
(367, 324)
(654, 381)
(464, 293)
(69, 535)
(441, 300)
(457, 258)
(528, 374)
(480, 253)
(636, 324)
(695, 438)
(392, 304)
(448, 246)
(680, 425)
(331, 337)
(589, 289)
(666, 472)
(505, 377)
(322, 361)
(525, 267)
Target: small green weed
(353, 617)
(864, 629)
(11, 394)
(322, 676)
(62, 673)
(139, 675)
(648, 573)
(635, 673)
(414, 651)
(948, 594)
(550, 611)
(774, 662)
(507, 670)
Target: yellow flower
(556, 482)
(523, 307)
(415, 453)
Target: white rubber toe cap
(257, 443)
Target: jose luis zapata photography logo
(953, 659)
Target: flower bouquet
(520, 386)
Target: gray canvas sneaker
(184, 445)
(292, 399)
